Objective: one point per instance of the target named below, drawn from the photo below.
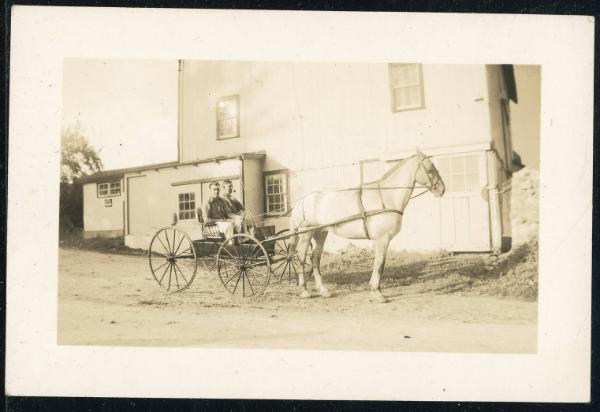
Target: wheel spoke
(243, 284)
(258, 263)
(170, 272)
(174, 234)
(281, 262)
(232, 276)
(181, 272)
(283, 271)
(229, 253)
(227, 262)
(256, 252)
(165, 256)
(166, 262)
(163, 245)
(181, 257)
(176, 277)
(258, 273)
(237, 282)
(250, 284)
(168, 243)
(163, 275)
(178, 245)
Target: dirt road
(109, 299)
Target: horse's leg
(301, 244)
(380, 248)
(316, 262)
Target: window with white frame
(276, 196)
(109, 189)
(459, 173)
(228, 117)
(187, 206)
(406, 86)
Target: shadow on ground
(513, 274)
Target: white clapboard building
(281, 130)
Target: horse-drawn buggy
(245, 263)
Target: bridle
(433, 181)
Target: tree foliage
(78, 159)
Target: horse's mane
(388, 173)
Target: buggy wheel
(172, 259)
(284, 261)
(243, 267)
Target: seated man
(215, 210)
(236, 206)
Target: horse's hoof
(324, 293)
(305, 294)
(378, 298)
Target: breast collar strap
(363, 212)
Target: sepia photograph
(287, 199)
(229, 204)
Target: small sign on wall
(107, 202)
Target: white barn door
(138, 206)
(464, 208)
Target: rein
(367, 186)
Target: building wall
(498, 126)
(153, 196)
(299, 113)
(98, 217)
(253, 187)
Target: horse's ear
(419, 153)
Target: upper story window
(109, 189)
(276, 193)
(228, 117)
(406, 86)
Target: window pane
(458, 183)
(180, 196)
(404, 75)
(414, 96)
(227, 108)
(411, 73)
(444, 166)
(472, 164)
(472, 182)
(228, 127)
(400, 99)
(458, 165)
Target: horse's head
(428, 176)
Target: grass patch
(75, 240)
(511, 275)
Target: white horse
(373, 211)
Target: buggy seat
(209, 230)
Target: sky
(525, 115)
(128, 109)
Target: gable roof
(117, 174)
